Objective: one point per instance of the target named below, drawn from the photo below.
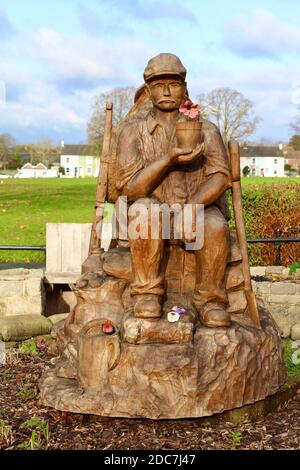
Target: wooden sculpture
(164, 327)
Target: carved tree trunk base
(221, 369)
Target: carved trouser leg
(211, 260)
(147, 253)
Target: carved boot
(147, 306)
(214, 315)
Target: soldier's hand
(182, 156)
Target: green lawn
(258, 181)
(26, 205)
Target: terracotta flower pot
(188, 133)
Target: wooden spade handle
(95, 241)
(234, 153)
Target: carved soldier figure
(151, 169)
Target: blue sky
(55, 56)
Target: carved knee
(215, 226)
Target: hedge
(268, 208)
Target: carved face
(167, 93)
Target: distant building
(79, 161)
(263, 160)
(36, 171)
(292, 157)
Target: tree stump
(199, 374)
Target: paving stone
(258, 270)
(22, 305)
(11, 288)
(274, 270)
(285, 299)
(283, 288)
(33, 286)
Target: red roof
(40, 166)
(27, 166)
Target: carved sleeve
(215, 152)
(129, 161)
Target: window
(253, 160)
(275, 161)
(67, 170)
(89, 170)
(67, 160)
(275, 172)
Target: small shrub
(39, 432)
(5, 432)
(294, 266)
(29, 347)
(293, 370)
(28, 394)
(236, 438)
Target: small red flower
(190, 109)
(108, 328)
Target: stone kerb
(21, 292)
(280, 294)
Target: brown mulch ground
(19, 402)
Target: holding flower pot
(188, 132)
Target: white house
(263, 160)
(36, 171)
(79, 161)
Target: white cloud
(270, 86)
(35, 107)
(52, 77)
(50, 91)
(262, 35)
(88, 58)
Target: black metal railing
(22, 248)
(278, 244)
(276, 240)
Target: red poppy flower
(108, 328)
(190, 109)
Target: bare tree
(295, 126)
(122, 99)
(44, 151)
(231, 111)
(7, 143)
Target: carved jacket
(144, 140)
